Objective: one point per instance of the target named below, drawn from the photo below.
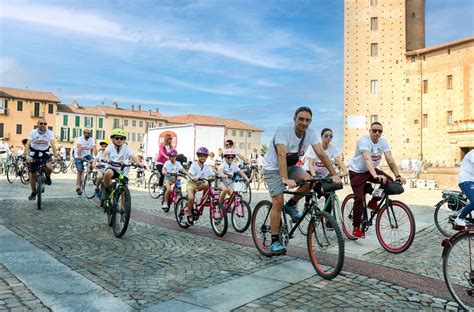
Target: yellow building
(246, 137)
(20, 110)
(422, 96)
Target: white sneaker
(460, 222)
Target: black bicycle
(448, 209)
(40, 179)
(18, 169)
(324, 237)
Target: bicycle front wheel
(153, 185)
(325, 245)
(395, 227)
(347, 216)
(12, 173)
(444, 217)
(121, 212)
(24, 174)
(458, 271)
(57, 167)
(39, 190)
(218, 217)
(73, 167)
(89, 184)
(247, 193)
(241, 216)
(261, 230)
(180, 212)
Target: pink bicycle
(217, 212)
(175, 193)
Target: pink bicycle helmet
(229, 151)
(202, 150)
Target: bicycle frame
(206, 200)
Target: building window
(425, 120)
(76, 132)
(50, 109)
(141, 124)
(19, 106)
(37, 109)
(373, 2)
(413, 59)
(234, 132)
(64, 134)
(140, 137)
(65, 120)
(1, 129)
(50, 128)
(134, 123)
(374, 47)
(241, 146)
(449, 118)
(408, 99)
(374, 23)
(116, 123)
(242, 133)
(134, 136)
(100, 134)
(373, 86)
(248, 146)
(101, 122)
(415, 121)
(88, 122)
(125, 122)
(425, 86)
(77, 122)
(374, 118)
(19, 129)
(3, 103)
(160, 124)
(407, 80)
(449, 82)
(249, 134)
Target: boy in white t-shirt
(227, 170)
(466, 184)
(170, 166)
(100, 169)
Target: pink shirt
(162, 154)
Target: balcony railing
(36, 114)
(4, 111)
(461, 126)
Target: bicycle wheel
(241, 216)
(180, 212)
(121, 211)
(89, 184)
(73, 167)
(247, 193)
(39, 190)
(24, 174)
(57, 167)
(261, 231)
(12, 173)
(153, 187)
(346, 216)
(218, 217)
(458, 271)
(325, 245)
(395, 227)
(444, 217)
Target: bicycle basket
(238, 186)
(452, 199)
(394, 188)
(331, 187)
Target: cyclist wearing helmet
(227, 170)
(197, 170)
(170, 166)
(100, 171)
(117, 152)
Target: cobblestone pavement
(152, 264)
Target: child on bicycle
(100, 169)
(228, 170)
(142, 162)
(197, 170)
(170, 166)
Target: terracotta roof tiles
(29, 94)
(210, 120)
(79, 109)
(107, 110)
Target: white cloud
(14, 74)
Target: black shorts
(116, 173)
(39, 158)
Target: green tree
(264, 148)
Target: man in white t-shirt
(3, 154)
(37, 148)
(281, 171)
(85, 145)
(363, 168)
(466, 184)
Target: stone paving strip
(55, 284)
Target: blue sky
(256, 61)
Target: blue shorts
(80, 162)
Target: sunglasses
(376, 130)
(230, 157)
(120, 138)
(202, 155)
(43, 123)
(328, 136)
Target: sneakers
(165, 207)
(460, 222)
(48, 181)
(372, 204)
(277, 248)
(358, 233)
(97, 193)
(293, 212)
(32, 196)
(79, 191)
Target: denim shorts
(274, 182)
(80, 163)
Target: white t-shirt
(123, 155)
(319, 167)
(229, 170)
(98, 157)
(4, 147)
(286, 135)
(172, 168)
(466, 172)
(196, 171)
(86, 146)
(376, 150)
(40, 141)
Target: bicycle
(18, 168)
(175, 192)
(40, 180)
(240, 210)
(391, 216)
(325, 246)
(255, 177)
(118, 203)
(140, 178)
(210, 198)
(153, 184)
(458, 270)
(448, 209)
(90, 180)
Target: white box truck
(186, 139)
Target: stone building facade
(422, 96)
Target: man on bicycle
(466, 184)
(84, 146)
(280, 170)
(37, 148)
(362, 169)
